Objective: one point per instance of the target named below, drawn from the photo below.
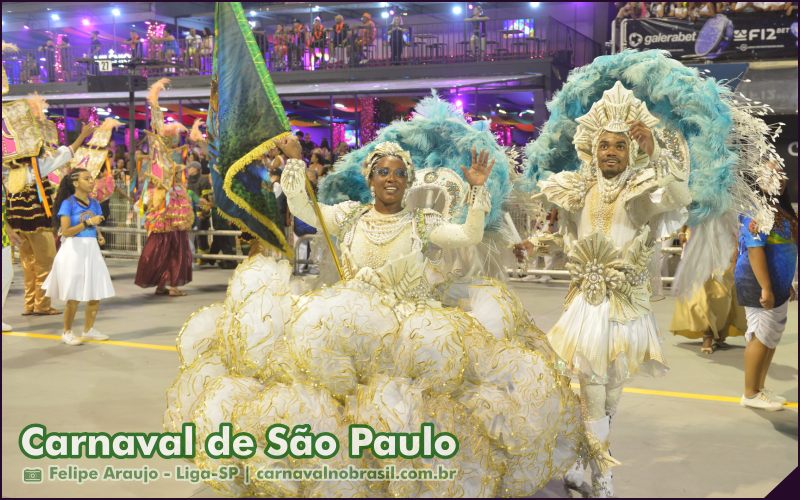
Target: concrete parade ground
(681, 435)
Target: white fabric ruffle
(356, 353)
(605, 351)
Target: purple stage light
(459, 103)
(85, 21)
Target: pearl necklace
(381, 229)
(601, 212)
(611, 188)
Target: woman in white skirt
(79, 273)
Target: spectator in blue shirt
(764, 272)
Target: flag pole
(323, 227)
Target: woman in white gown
(379, 348)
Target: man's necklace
(601, 212)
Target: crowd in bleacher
(698, 10)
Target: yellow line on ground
(121, 343)
(630, 390)
(689, 395)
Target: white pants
(656, 268)
(8, 273)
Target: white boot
(575, 479)
(602, 485)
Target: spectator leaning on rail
(279, 48)
(396, 39)
(135, 44)
(206, 51)
(366, 37)
(340, 40)
(318, 43)
(298, 41)
(477, 42)
(193, 43)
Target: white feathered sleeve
(470, 233)
(293, 182)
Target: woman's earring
(372, 191)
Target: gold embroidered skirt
(353, 353)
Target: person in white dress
(381, 348)
(612, 212)
(79, 273)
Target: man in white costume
(628, 193)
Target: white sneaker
(772, 396)
(69, 338)
(760, 401)
(6, 327)
(94, 335)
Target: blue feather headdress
(703, 110)
(730, 148)
(437, 136)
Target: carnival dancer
(380, 347)
(712, 313)
(365, 38)
(608, 331)
(626, 188)
(79, 272)
(166, 260)
(381, 340)
(9, 237)
(31, 152)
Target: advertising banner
(786, 145)
(736, 36)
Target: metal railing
(417, 44)
(529, 219)
(125, 239)
(440, 43)
(571, 47)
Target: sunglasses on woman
(400, 173)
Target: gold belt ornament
(600, 271)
